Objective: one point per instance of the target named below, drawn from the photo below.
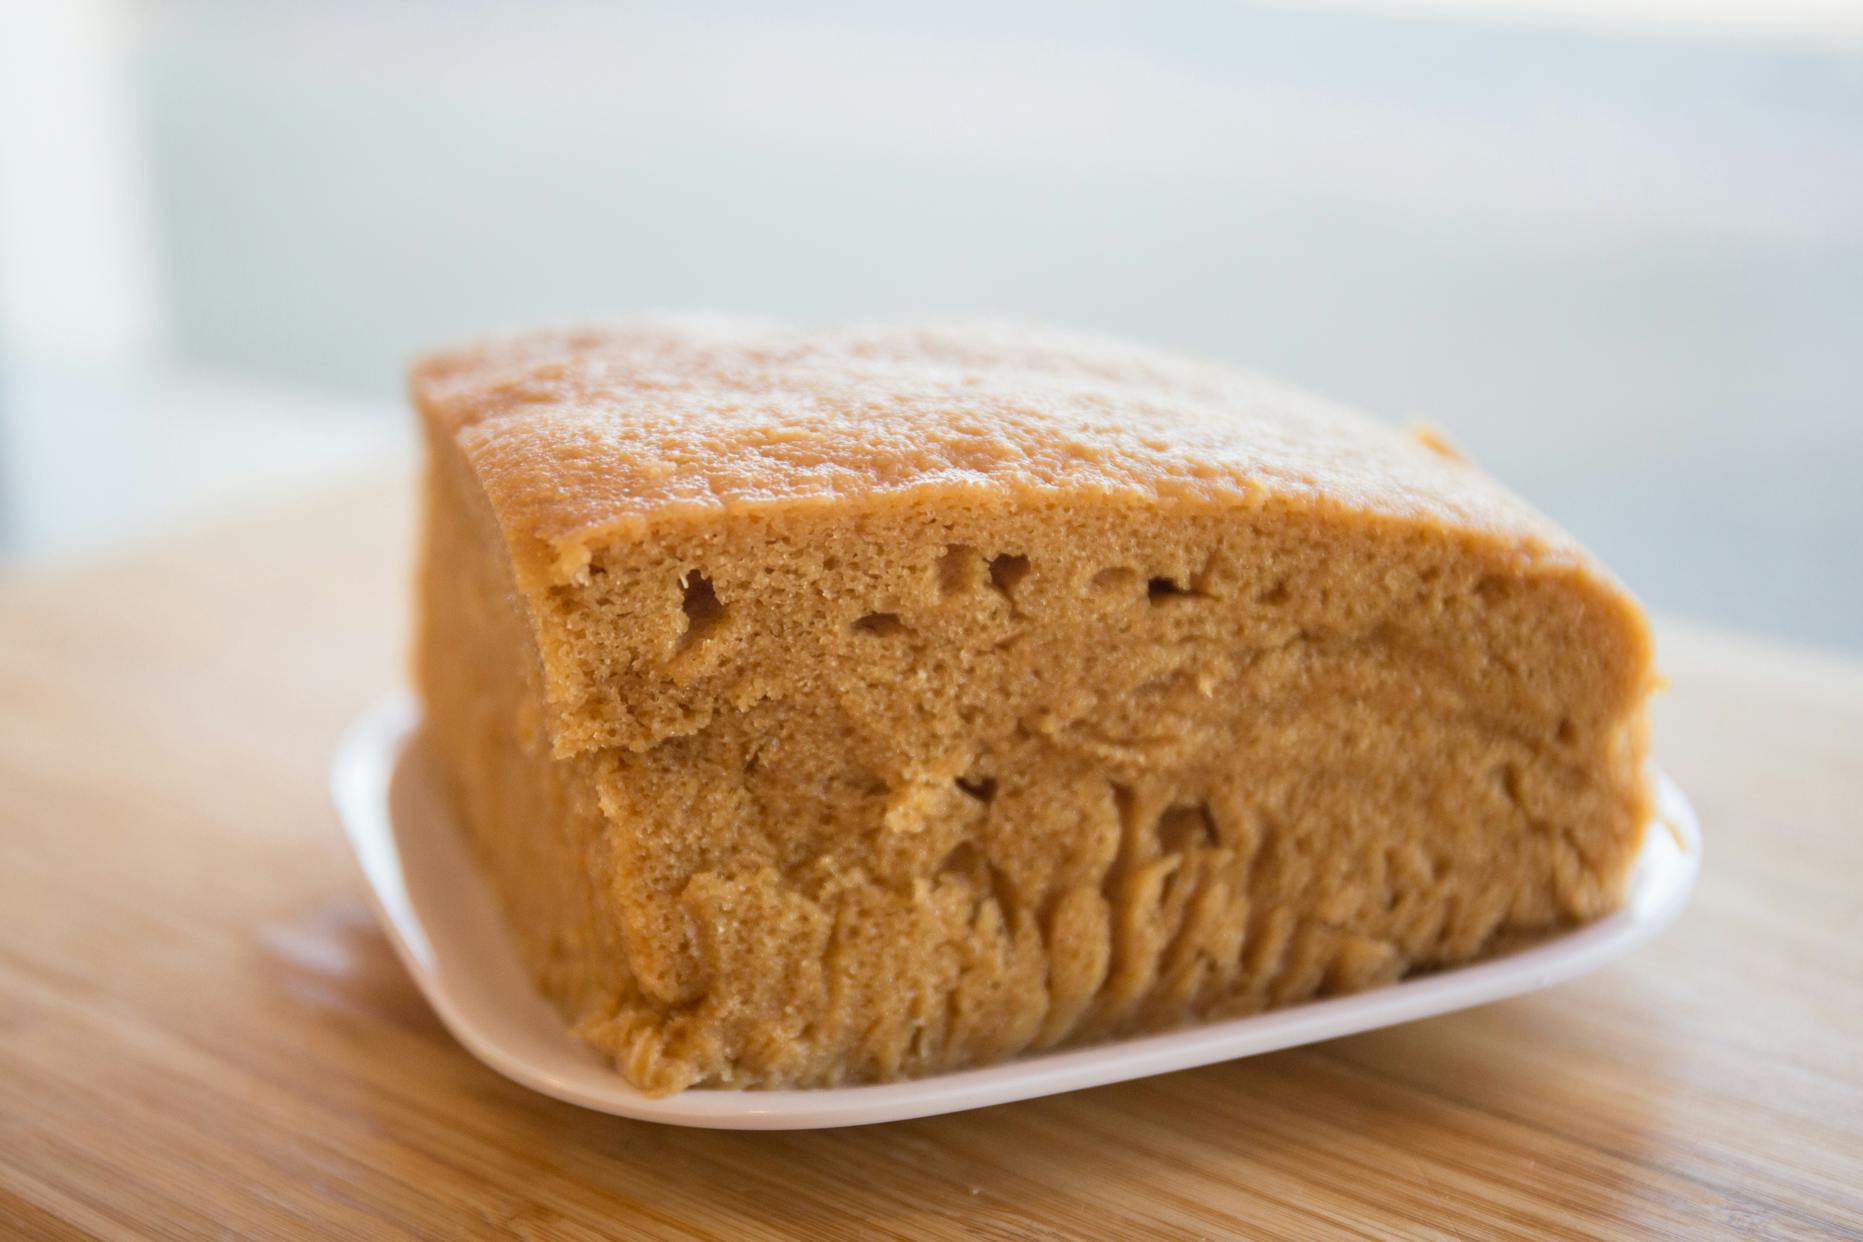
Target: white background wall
(1622, 264)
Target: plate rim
(372, 749)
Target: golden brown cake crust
(577, 434)
(829, 707)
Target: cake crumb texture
(832, 707)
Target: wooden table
(202, 1033)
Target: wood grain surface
(202, 1033)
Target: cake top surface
(581, 435)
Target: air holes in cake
(966, 861)
(1162, 590)
(880, 624)
(958, 569)
(1125, 808)
(1008, 900)
(1567, 732)
(704, 612)
(1274, 595)
(962, 860)
(1184, 828)
(982, 790)
(1116, 581)
(1125, 803)
(1006, 572)
(1507, 776)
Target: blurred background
(1615, 249)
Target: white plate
(442, 920)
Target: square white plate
(444, 924)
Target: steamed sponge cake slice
(841, 705)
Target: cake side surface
(872, 782)
(535, 823)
